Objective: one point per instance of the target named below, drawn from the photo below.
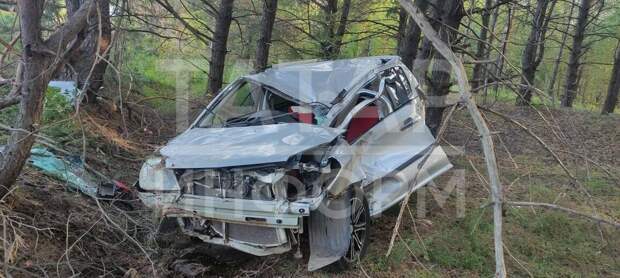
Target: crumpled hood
(242, 146)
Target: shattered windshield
(251, 104)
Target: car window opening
(251, 104)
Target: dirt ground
(54, 232)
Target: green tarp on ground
(71, 172)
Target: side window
(398, 89)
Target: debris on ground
(69, 170)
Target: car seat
(362, 122)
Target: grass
(539, 242)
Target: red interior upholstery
(305, 118)
(362, 122)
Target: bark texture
(266, 29)
(39, 64)
(219, 46)
(335, 29)
(408, 48)
(87, 64)
(533, 53)
(481, 52)
(558, 60)
(577, 50)
(449, 15)
(614, 86)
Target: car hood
(242, 146)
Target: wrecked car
(313, 149)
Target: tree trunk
(423, 58)
(409, 46)
(266, 29)
(558, 60)
(335, 30)
(219, 46)
(84, 65)
(529, 60)
(403, 18)
(614, 86)
(488, 147)
(450, 14)
(577, 50)
(481, 53)
(38, 68)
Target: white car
(309, 148)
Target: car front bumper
(275, 214)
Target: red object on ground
(123, 187)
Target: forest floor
(60, 233)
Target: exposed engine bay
(304, 179)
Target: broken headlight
(154, 176)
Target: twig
(568, 210)
(413, 182)
(533, 135)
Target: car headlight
(155, 177)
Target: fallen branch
(568, 210)
(533, 135)
(483, 129)
(595, 163)
(544, 145)
(9, 100)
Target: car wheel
(360, 228)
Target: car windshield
(251, 104)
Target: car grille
(225, 184)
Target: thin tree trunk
(38, 68)
(219, 46)
(266, 29)
(342, 27)
(403, 19)
(491, 40)
(614, 86)
(505, 40)
(409, 46)
(558, 60)
(577, 50)
(84, 64)
(451, 13)
(335, 29)
(423, 58)
(529, 61)
(481, 53)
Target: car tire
(360, 222)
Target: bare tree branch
(568, 210)
(483, 129)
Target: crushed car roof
(321, 82)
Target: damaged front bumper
(228, 222)
(276, 214)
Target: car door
(391, 151)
